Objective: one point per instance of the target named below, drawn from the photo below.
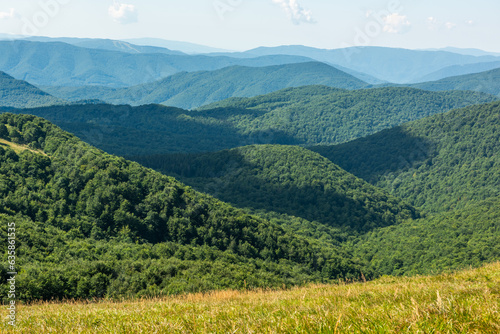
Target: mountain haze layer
(62, 64)
(388, 64)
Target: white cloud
(450, 25)
(396, 24)
(432, 23)
(9, 15)
(470, 22)
(295, 11)
(123, 13)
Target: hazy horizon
(242, 25)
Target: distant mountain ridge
(63, 64)
(186, 47)
(105, 44)
(388, 64)
(195, 89)
(486, 82)
(456, 70)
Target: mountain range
(387, 64)
(61, 64)
(190, 90)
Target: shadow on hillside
(385, 152)
(229, 176)
(153, 129)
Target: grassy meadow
(463, 302)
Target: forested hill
(437, 163)
(317, 114)
(20, 94)
(486, 82)
(194, 89)
(286, 179)
(306, 115)
(92, 225)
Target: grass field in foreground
(463, 302)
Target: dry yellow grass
(18, 148)
(464, 302)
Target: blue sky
(244, 24)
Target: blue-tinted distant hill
(186, 47)
(466, 51)
(388, 64)
(20, 94)
(452, 71)
(106, 44)
(191, 90)
(62, 64)
(486, 82)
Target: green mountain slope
(92, 225)
(306, 115)
(286, 179)
(318, 114)
(191, 90)
(60, 64)
(452, 240)
(437, 163)
(20, 94)
(486, 82)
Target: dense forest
(286, 179)
(294, 116)
(321, 115)
(93, 225)
(446, 165)
(437, 163)
(469, 236)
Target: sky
(246, 24)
